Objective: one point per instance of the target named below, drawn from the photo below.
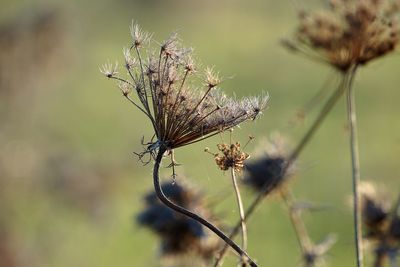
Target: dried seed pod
(180, 113)
(348, 33)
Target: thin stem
(321, 118)
(163, 198)
(298, 224)
(241, 210)
(326, 109)
(352, 121)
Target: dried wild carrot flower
(179, 234)
(348, 32)
(180, 112)
(231, 157)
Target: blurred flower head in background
(180, 236)
(348, 33)
(267, 167)
(381, 218)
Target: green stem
(355, 162)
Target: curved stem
(241, 210)
(355, 162)
(163, 198)
(326, 109)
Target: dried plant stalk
(352, 120)
(163, 198)
(298, 225)
(326, 109)
(241, 211)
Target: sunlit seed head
(130, 62)
(212, 78)
(139, 37)
(180, 112)
(125, 88)
(109, 69)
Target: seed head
(375, 209)
(381, 219)
(139, 36)
(179, 235)
(231, 157)
(109, 70)
(348, 32)
(268, 169)
(180, 112)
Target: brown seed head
(180, 112)
(229, 156)
(348, 33)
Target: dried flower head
(348, 32)
(230, 156)
(268, 169)
(375, 209)
(180, 113)
(179, 234)
(381, 221)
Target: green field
(70, 184)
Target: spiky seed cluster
(380, 217)
(267, 170)
(179, 234)
(180, 112)
(348, 32)
(230, 156)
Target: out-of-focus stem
(355, 162)
(241, 210)
(298, 225)
(326, 109)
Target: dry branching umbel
(230, 156)
(348, 32)
(180, 112)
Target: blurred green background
(70, 184)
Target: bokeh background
(70, 185)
